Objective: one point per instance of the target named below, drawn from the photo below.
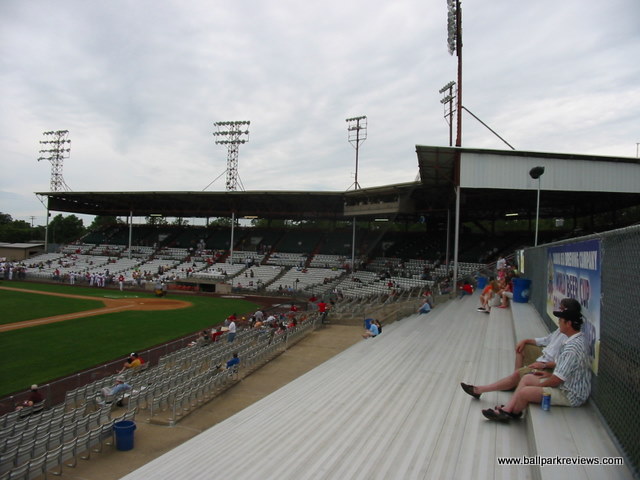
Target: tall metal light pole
(356, 134)
(536, 173)
(55, 152)
(448, 100)
(454, 43)
(234, 135)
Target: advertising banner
(574, 271)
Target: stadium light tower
(357, 133)
(448, 100)
(55, 152)
(232, 135)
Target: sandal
(514, 416)
(469, 390)
(496, 416)
(499, 408)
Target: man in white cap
(110, 394)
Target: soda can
(546, 402)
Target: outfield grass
(21, 306)
(40, 354)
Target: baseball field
(48, 330)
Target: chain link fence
(616, 387)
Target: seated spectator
(428, 296)
(487, 295)
(203, 339)
(506, 294)
(114, 392)
(215, 334)
(530, 357)
(137, 359)
(425, 307)
(34, 398)
(372, 331)
(232, 362)
(379, 325)
(570, 383)
(132, 361)
(465, 289)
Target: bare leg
(506, 383)
(528, 391)
(519, 360)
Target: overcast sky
(139, 84)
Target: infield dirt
(110, 305)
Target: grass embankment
(40, 354)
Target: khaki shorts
(522, 371)
(558, 397)
(531, 353)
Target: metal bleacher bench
(563, 431)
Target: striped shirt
(572, 367)
(552, 344)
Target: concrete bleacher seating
(287, 259)
(262, 275)
(328, 261)
(247, 257)
(83, 248)
(138, 252)
(169, 253)
(301, 279)
(219, 271)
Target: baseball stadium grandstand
(385, 407)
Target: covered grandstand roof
(496, 182)
(266, 204)
(493, 183)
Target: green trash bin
(124, 434)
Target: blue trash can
(367, 323)
(482, 282)
(124, 434)
(521, 290)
